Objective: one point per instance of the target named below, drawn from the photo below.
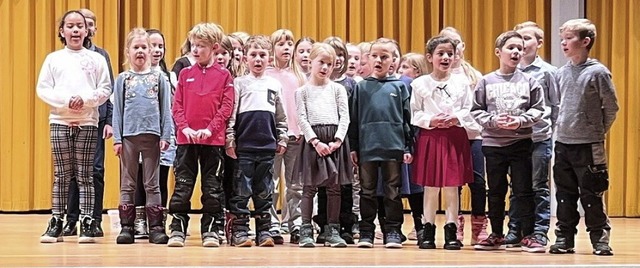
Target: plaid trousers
(73, 149)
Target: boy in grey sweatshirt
(507, 104)
(588, 107)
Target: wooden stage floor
(21, 247)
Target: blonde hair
(242, 37)
(365, 47)
(417, 61)
(295, 66)
(259, 42)
(210, 32)
(537, 31)
(238, 67)
(136, 32)
(583, 27)
(275, 38)
(323, 48)
(339, 46)
(88, 14)
(469, 71)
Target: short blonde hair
(537, 31)
(365, 47)
(583, 27)
(88, 14)
(275, 38)
(259, 42)
(320, 48)
(135, 32)
(210, 32)
(417, 61)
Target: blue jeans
(540, 169)
(255, 180)
(73, 205)
(479, 186)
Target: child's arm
(536, 108)
(554, 96)
(118, 103)
(608, 96)
(420, 116)
(479, 107)
(464, 113)
(303, 120)
(354, 128)
(342, 100)
(45, 87)
(165, 109)
(177, 110)
(230, 143)
(281, 123)
(406, 122)
(226, 107)
(103, 90)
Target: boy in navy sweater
(257, 130)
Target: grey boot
(140, 224)
(332, 236)
(306, 236)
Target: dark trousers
(141, 195)
(392, 179)
(479, 186)
(346, 216)
(255, 181)
(540, 162)
(73, 205)
(514, 158)
(185, 166)
(580, 172)
(231, 171)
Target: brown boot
(157, 233)
(127, 217)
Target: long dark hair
(162, 63)
(86, 42)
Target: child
(440, 105)
(186, 59)
(365, 68)
(301, 61)
(105, 131)
(507, 104)
(588, 108)
(237, 67)
(73, 81)
(474, 133)
(323, 110)
(413, 65)
(353, 62)
(203, 103)
(256, 132)
(282, 43)
(142, 125)
(380, 102)
(167, 156)
(545, 74)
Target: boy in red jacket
(203, 104)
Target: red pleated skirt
(442, 158)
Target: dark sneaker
(536, 243)
(264, 239)
(53, 233)
(564, 244)
(493, 242)
(87, 227)
(512, 240)
(211, 239)
(348, 238)
(393, 239)
(602, 249)
(70, 229)
(176, 239)
(366, 240)
(276, 237)
(240, 238)
(97, 230)
(125, 236)
(294, 237)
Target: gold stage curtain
(30, 31)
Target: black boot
(97, 230)
(127, 217)
(450, 239)
(565, 243)
(53, 233)
(157, 233)
(70, 229)
(87, 227)
(429, 236)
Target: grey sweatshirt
(545, 73)
(141, 105)
(588, 103)
(517, 94)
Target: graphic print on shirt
(508, 97)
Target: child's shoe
(332, 236)
(602, 249)
(366, 240)
(140, 224)
(53, 233)
(513, 239)
(264, 239)
(127, 215)
(460, 230)
(564, 244)
(450, 238)
(70, 229)
(176, 239)
(478, 229)
(493, 242)
(87, 226)
(393, 239)
(306, 236)
(536, 243)
(428, 237)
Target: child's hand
(231, 152)
(281, 150)
(333, 146)
(76, 103)
(117, 148)
(509, 122)
(107, 132)
(203, 134)
(407, 158)
(190, 134)
(354, 158)
(450, 121)
(437, 121)
(323, 149)
(164, 145)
